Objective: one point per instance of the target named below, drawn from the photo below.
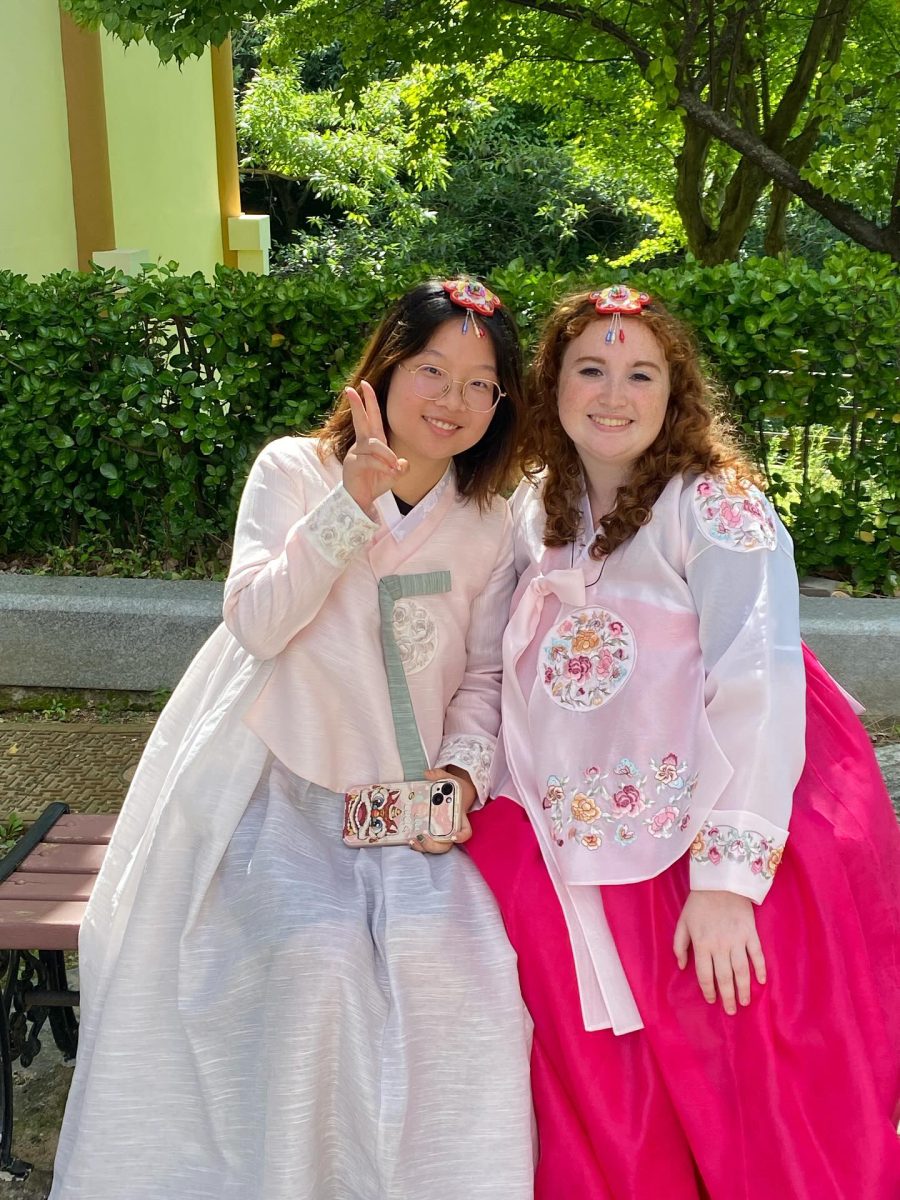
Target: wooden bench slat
(83, 828)
(40, 924)
(34, 885)
(64, 859)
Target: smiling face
(433, 431)
(613, 398)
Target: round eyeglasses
(433, 383)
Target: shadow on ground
(39, 1098)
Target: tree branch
(771, 163)
(689, 171)
(564, 58)
(775, 241)
(723, 47)
(264, 173)
(574, 12)
(688, 40)
(828, 25)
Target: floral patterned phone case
(391, 814)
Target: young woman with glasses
(270, 1013)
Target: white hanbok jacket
(653, 706)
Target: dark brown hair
(693, 438)
(485, 468)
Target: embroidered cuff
(475, 755)
(736, 852)
(338, 527)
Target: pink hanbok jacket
(303, 590)
(654, 706)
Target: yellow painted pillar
(226, 142)
(88, 145)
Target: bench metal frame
(34, 991)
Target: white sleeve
(739, 567)
(522, 503)
(286, 556)
(472, 720)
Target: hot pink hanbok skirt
(795, 1095)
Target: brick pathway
(88, 766)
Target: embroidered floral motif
(724, 843)
(586, 658)
(339, 527)
(669, 774)
(734, 513)
(590, 841)
(584, 809)
(662, 824)
(474, 754)
(629, 801)
(580, 813)
(416, 635)
(553, 802)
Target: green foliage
(11, 829)
(656, 94)
(510, 193)
(129, 414)
(357, 157)
(490, 186)
(661, 95)
(177, 29)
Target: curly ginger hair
(693, 440)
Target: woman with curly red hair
(703, 1029)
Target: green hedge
(129, 414)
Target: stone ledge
(118, 634)
(140, 635)
(858, 641)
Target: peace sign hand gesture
(371, 466)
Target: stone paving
(89, 766)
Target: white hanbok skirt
(329, 1024)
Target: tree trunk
(754, 151)
(776, 236)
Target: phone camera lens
(447, 789)
(437, 799)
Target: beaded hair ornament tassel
(616, 300)
(474, 297)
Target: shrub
(130, 412)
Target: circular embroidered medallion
(586, 658)
(416, 635)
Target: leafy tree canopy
(495, 186)
(706, 104)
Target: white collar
(402, 526)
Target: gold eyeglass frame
(464, 383)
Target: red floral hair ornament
(616, 300)
(474, 297)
